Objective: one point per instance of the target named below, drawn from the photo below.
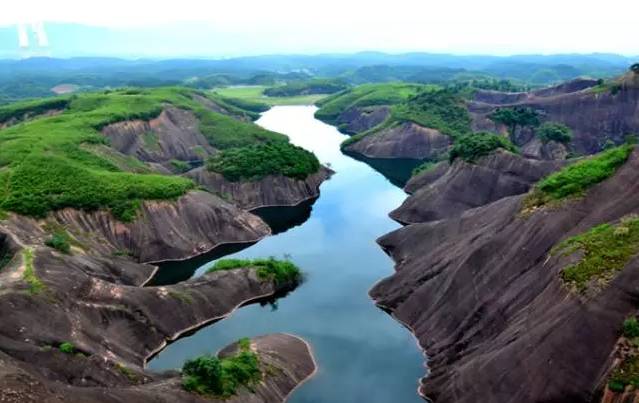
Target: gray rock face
(465, 186)
(276, 351)
(407, 140)
(174, 134)
(357, 120)
(594, 116)
(551, 150)
(192, 225)
(94, 300)
(484, 296)
(273, 190)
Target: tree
(552, 131)
(515, 117)
(635, 68)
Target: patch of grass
(222, 377)
(606, 249)
(36, 286)
(366, 95)
(255, 94)
(307, 87)
(127, 372)
(474, 146)
(59, 241)
(426, 166)
(575, 179)
(67, 348)
(280, 271)
(181, 296)
(151, 141)
(257, 161)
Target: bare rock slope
(484, 296)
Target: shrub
(59, 241)
(180, 166)
(257, 161)
(280, 271)
(209, 375)
(67, 347)
(515, 117)
(551, 131)
(635, 68)
(473, 146)
(631, 327)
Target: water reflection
(363, 354)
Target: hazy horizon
(248, 28)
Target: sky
(295, 26)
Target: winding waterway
(362, 353)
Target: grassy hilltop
(47, 163)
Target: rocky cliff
(359, 119)
(95, 301)
(405, 140)
(484, 295)
(465, 185)
(595, 114)
(174, 135)
(272, 190)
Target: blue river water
(362, 353)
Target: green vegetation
(127, 372)
(5, 257)
(67, 348)
(59, 241)
(45, 164)
(631, 328)
(280, 271)
(180, 166)
(515, 117)
(258, 161)
(36, 286)
(27, 109)
(473, 146)
(552, 131)
(635, 68)
(222, 377)
(247, 104)
(366, 95)
(255, 94)
(426, 166)
(606, 249)
(307, 87)
(439, 109)
(627, 373)
(575, 179)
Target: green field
(255, 93)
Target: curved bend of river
(363, 354)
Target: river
(363, 354)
